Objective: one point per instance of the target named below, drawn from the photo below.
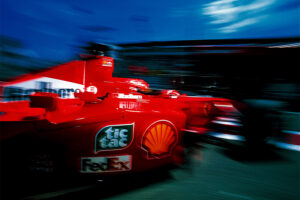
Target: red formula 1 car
(77, 117)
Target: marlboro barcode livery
(76, 117)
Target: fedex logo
(105, 164)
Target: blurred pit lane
(224, 171)
(263, 74)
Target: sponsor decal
(128, 105)
(107, 63)
(106, 164)
(20, 91)
(114, 137)
(129, 96)
(160, 139)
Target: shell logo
(160, 139)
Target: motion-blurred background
(244, 50)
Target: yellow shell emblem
(160, 139)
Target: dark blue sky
(52, 29)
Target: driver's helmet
(140, 85)
(170, 93)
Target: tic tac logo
(114, 137)
(105, 164)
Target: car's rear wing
(65, 79)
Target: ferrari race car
(76, 117)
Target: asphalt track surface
(212, 171)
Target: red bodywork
(97, 123)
